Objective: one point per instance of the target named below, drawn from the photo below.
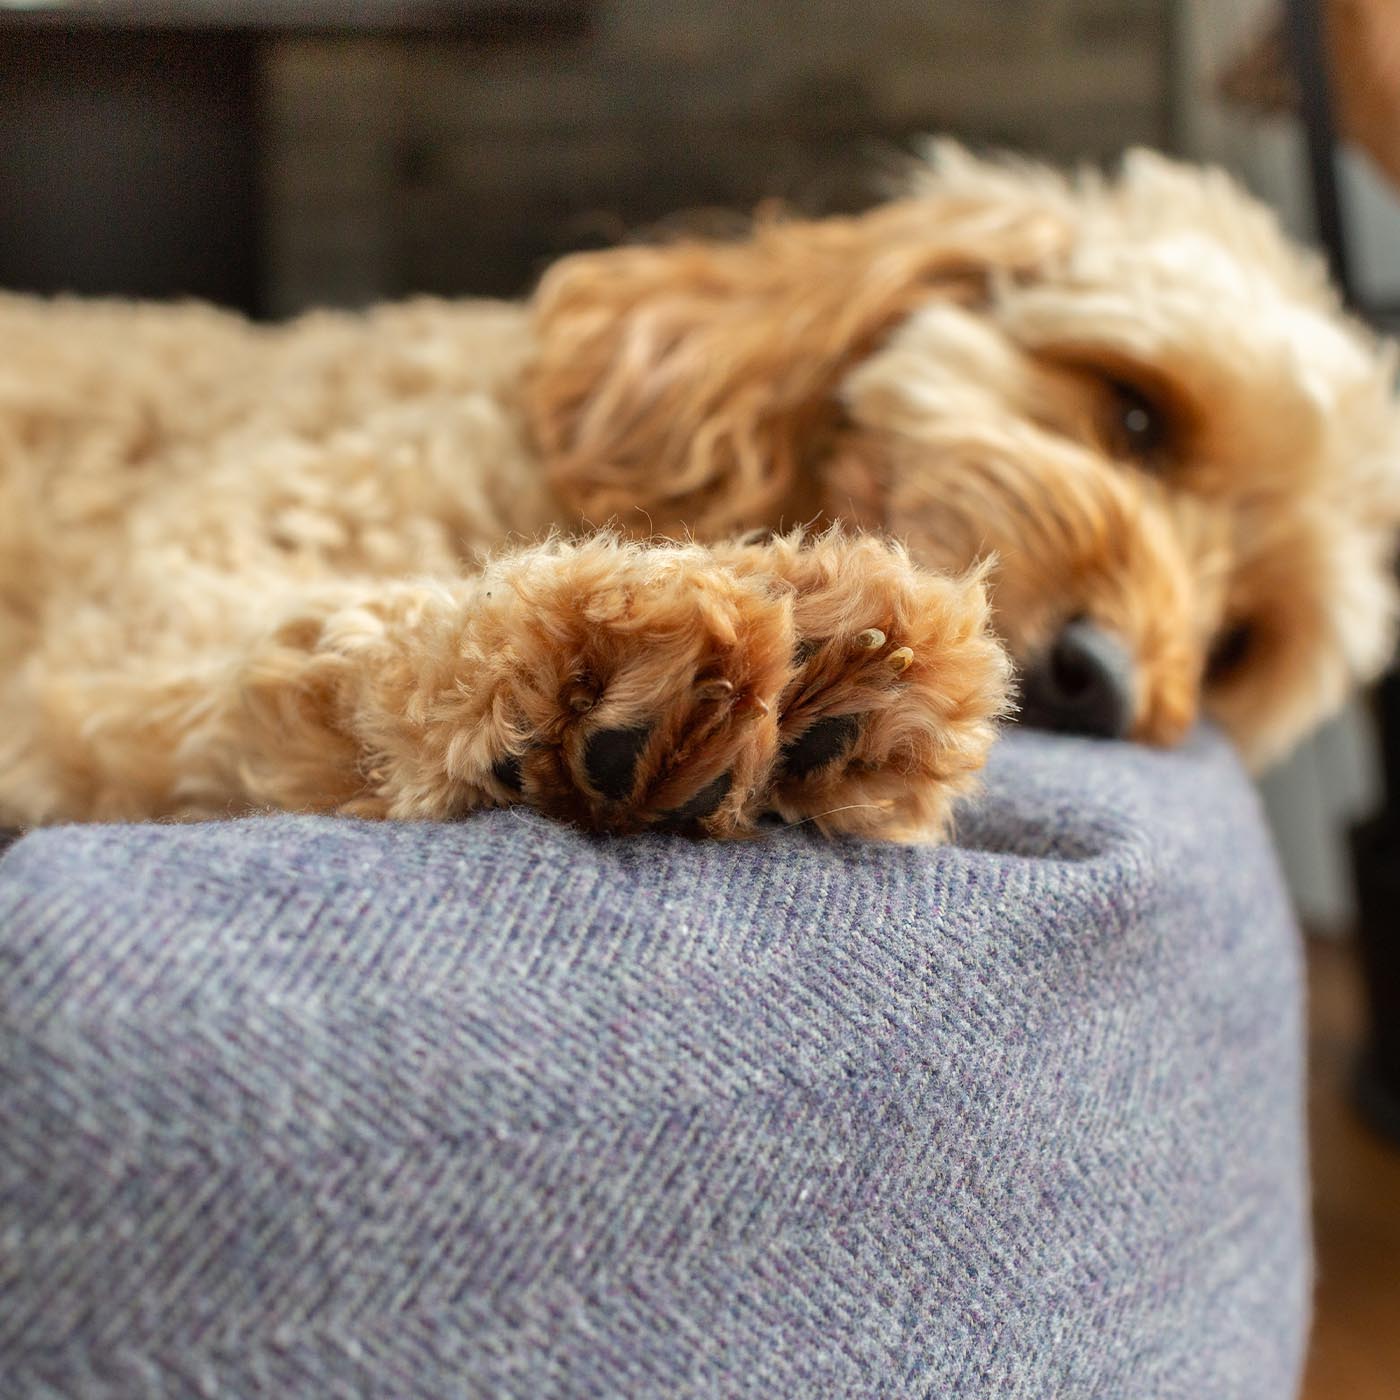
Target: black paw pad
(824, 742)
(506, 771)
(705, 802)
(610, 760)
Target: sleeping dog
(1104, 450)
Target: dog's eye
(1231, 650)
(1139, 427)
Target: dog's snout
(1082, 685)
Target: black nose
(1082, 685)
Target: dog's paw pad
(704, 804)
(507, 772)
(820, 744)
(610, 760)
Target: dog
(1106, 445)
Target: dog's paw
(898, 688)
(646, 687)
(681, 688)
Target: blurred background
(278, 156)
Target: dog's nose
(1082, 685)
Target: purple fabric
(302, 1107)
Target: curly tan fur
(689, 387)
(245, 567)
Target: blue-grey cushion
(303, 1107)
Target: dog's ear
(692, 385)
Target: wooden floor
(1355, 1351)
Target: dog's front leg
(605, 683)
(629, 687)
(619, 686)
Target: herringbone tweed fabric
(298, 1107)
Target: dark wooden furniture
(129, 132)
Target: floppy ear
(692, 386)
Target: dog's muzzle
(1082, 685)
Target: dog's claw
(900, 660)
(581, 695)
(719, 689)
(871, 638)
